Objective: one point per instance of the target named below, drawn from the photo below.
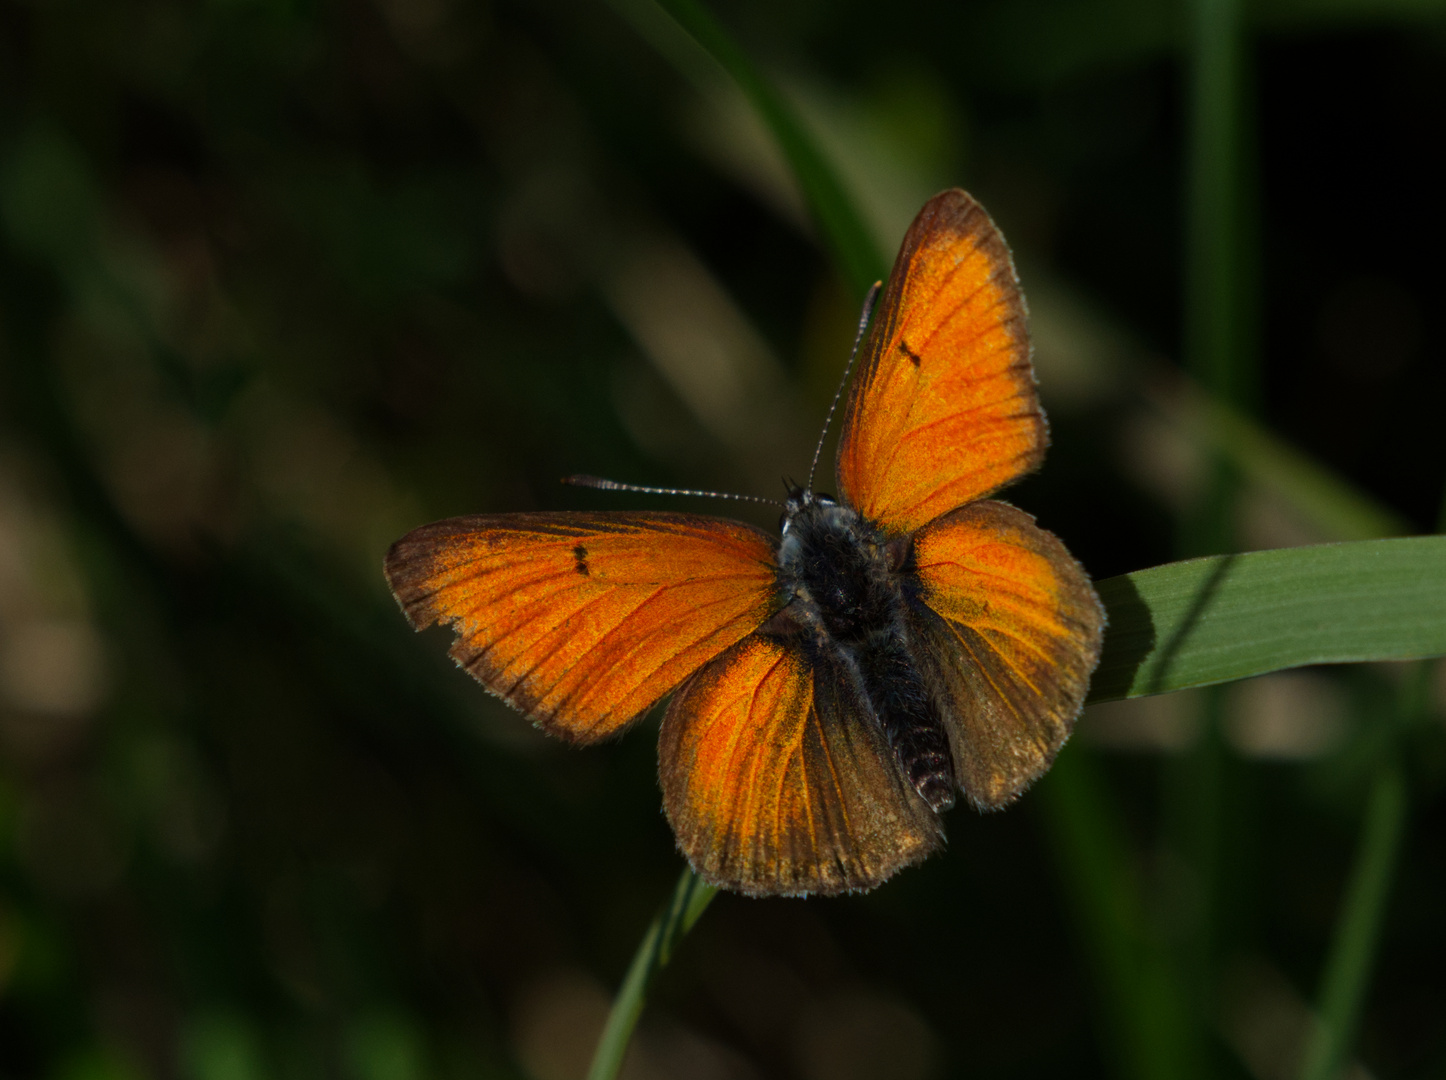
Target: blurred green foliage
(280, 279)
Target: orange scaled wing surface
(1007, 629)
(778, 781)
(583, 621)
(944, 409)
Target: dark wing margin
(584, 621)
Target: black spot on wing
(910, 353)
(580, 553)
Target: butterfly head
(799, 501)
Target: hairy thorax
(841, 573)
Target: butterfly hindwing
(1007, 628)
(943, 410)
(584, 621)
(777, 780)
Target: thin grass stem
(1358, 927)
(690, 898)
(1358, 930)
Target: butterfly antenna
(583, 480)
(864, 317)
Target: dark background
(282, 279)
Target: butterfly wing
(584, 621)
(1007, 628)
(943, 410)
(777, 780)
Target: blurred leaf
(386, 1047)
(1332, 505)
(1226, 617)
(221, 1048)
(48, 197)
(839, 221)
(97, 1065)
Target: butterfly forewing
(943, 410)
(584, 621)
(777, 781)
(1007, 628)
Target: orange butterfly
(833, 688)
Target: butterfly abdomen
(846, 591)
(902, 703)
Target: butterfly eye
(825, 497)
(783, 520)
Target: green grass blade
(1348, 967)
(842, 227)
(1226, 617)
(690, 899)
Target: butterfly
(835, 687)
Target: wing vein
(597, 676)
